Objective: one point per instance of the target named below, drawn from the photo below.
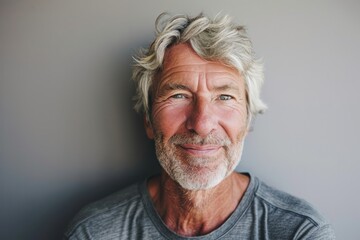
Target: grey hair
(217, 39)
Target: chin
(202, 180)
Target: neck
(196, 212)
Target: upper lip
(196, 147)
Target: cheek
(234, 122)
(168, 119)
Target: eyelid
(176, 95)
(227, 96)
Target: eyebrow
(226, 87)
(174, 86)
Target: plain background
(69, 136)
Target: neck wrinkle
(193, 213)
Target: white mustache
(193, 138)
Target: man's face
(198, 119)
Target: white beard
(197, 173)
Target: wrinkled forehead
(182, 58)
(180, 54)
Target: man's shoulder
(288, 203)
(108, 210)
(286, 213)
(111, 203)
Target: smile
(200, 150)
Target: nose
(201, 118)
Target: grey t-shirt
(263, 213)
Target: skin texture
(198, 122)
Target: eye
(224, 97)
(178, 96)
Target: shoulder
(106, 213)
(287, 202)
(289, 214)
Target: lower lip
(201, 151)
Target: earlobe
(148, 128)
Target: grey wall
(68, 134)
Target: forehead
(182, 58)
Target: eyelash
(178, 96)
(227, 97)
(222, 97)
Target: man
(198, 86)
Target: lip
(202, 150)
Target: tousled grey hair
(217, 39)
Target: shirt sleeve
(325, 232)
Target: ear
(148, 128)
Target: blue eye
(225, 97)
(178, 96)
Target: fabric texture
(263, 213)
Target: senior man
(198, 86)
